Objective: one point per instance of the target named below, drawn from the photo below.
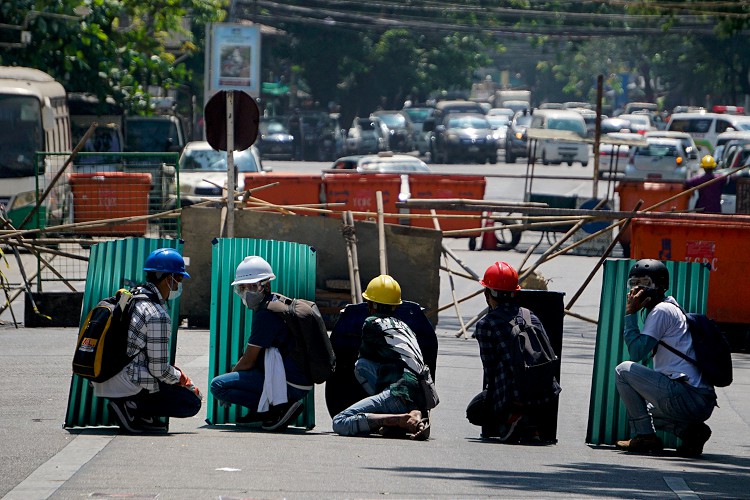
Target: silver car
(661, 159)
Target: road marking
(681, 489)
(52, 474)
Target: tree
(116, 50)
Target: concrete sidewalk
(38, 459)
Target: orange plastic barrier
(293, 189)
(357, 192)
(725, 246)
(651, 193)
(448, 186)
(110, 195)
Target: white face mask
(173, 294)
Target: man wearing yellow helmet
(392, 371)
(709, 197)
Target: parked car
(385, 162)
(203, 170)
(614, 151)
(464, 137)
(726, 142)
(367, 136)
(400, 130)
(418, 116)
(516, 145)
(274, 140)
(661, 159)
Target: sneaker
(286, 417)
(693, 440)
(124, 414)
(509, 427)
(151, 424)
(642, 443)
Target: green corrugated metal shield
(112, 265)
(608, 420)
(294, 265)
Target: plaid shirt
(493, 333)
(148, 335)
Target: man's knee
(623, 368)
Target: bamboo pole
(355, 257)
(603, 258)
(452, 285)
(459, 274)
(544, 257)
(346, 231)
(381, 234)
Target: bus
(33, 117)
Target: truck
(517, 100)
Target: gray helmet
(654, 269)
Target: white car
(383, 163)
(660, 159)
(203, 171)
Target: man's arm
(248, 359)
(639, 345)
(158, 332)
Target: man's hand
(637, 300)
(186, 382)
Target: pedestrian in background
(709, 197)
(149, 386)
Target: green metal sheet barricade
(112, 265)
(294, 265)
(608, 420)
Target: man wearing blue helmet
(149, 386)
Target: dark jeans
(169, 401)
(481, 412)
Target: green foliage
(118, 49)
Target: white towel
(274, 384)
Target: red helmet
(501, 276)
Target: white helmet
(253, 269)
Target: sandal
(422, 434)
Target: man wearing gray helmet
(266, 358)
(673, 396)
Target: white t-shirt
(119, 386)
(667, 322)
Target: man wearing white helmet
(269, 336)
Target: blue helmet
(166, 260)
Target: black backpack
(312, 346)
(713, 355)
(534, 355)
(101, 349)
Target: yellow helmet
(383, 289)
(708, 162)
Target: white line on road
(52, 474)
(681, 489)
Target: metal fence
(100, 197)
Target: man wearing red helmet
(505, 409)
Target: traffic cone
(489, 241)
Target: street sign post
(232, 120)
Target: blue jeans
(654, 401)
(353, 420)
(169, 401)
(245, 387)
